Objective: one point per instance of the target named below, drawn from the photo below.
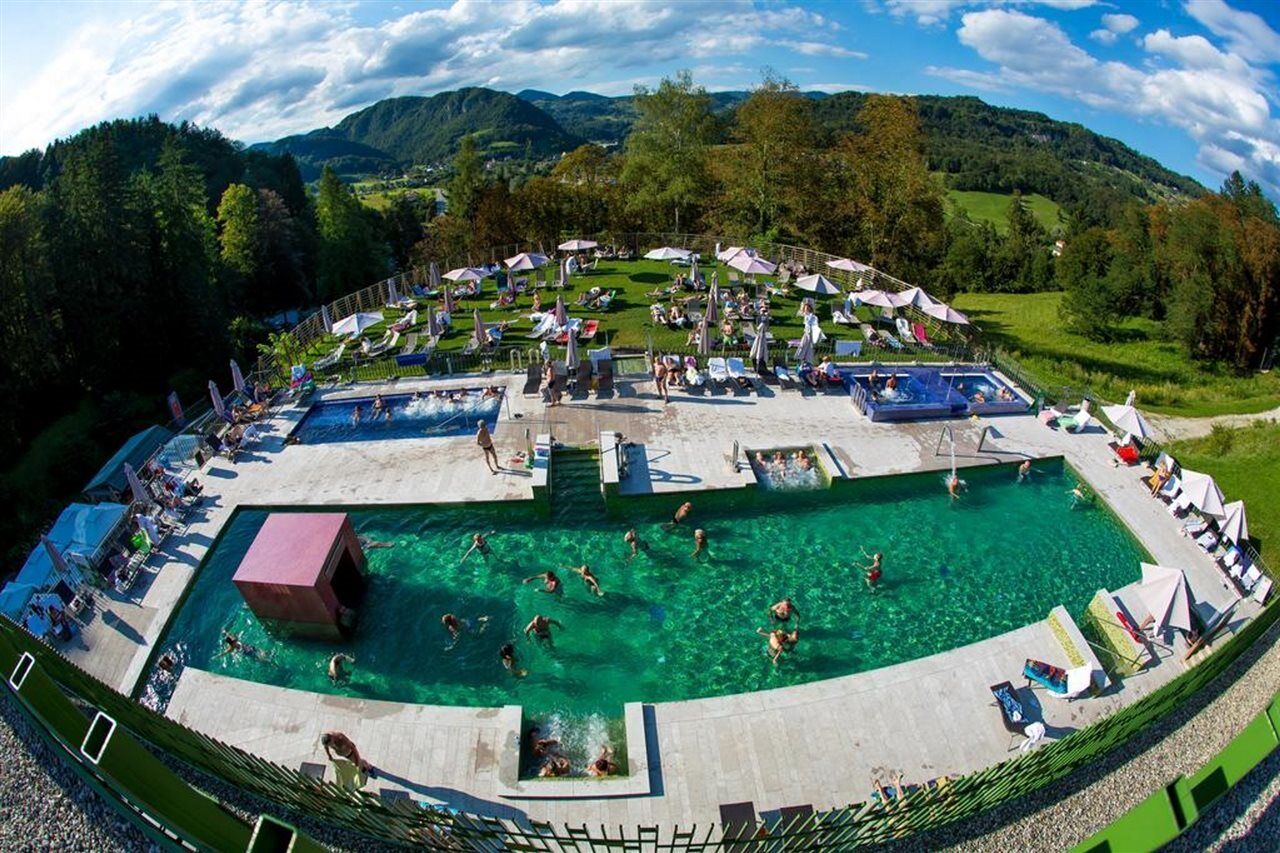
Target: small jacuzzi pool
(440, 413)
(788, 469)
(913, 393)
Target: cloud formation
(1113, 26)
(1217, 96)
(263, 69)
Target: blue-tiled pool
(931, 392)
(453, 412)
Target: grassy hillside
(994, 208)
(1165, 379)
(1246, 464)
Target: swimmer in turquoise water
(783, 611)
(1024, 471)
(479, 542)
(1079, 496)
(954, 486)
(592, 582)
(540, 627)
(508, 655)
(551, 581)
(874, 570)
(699, 542)
(635, 542)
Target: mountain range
(974, 145)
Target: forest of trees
(137, 257)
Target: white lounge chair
(717, 370)
(1079, 682)
(785, 376)
(904, 329)
(841, 318)
(331, 359)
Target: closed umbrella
(744, 263)
(511, 285)
(945, 313)
(433, 276)
(448, 301)
(355, 324)
(481, 337)
(667, 253)
(237, 378)
(804, 353)
(817, 283)
(433, 323)
(216, 396)
(1236, 524)
(693, 271)
(1129, 419)
(1203, 492)
(393, 295)
(577, 245)
(135, 485)
(1133, 395)
(571, 359)
(713, 304)
(325, 319)
(704, 336)
(60, 564)
(848, 265)
(715, 278)
(563, 281)
(562, 316)
(760, 348)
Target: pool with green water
(670, 627)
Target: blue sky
(1190, 82)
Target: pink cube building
(304, 574)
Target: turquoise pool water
(671, 627)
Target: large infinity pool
(671, 627)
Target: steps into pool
(575, 484)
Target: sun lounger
(1127, 453)
(1063, 683)
(582, 378)
(904, 330)
(738, 373)
(604, 376)
(870, 335)
(893, 342)
(1180, 506)
(717, 370)
(1208, 541)
(693, 377)
(405, 323)
(1170, 490)
(1012, 714)
(532, 380)
(331, 359)
(843, 319)
(544, 326)
(589, 330)
(785, 376)
(410, 343)
(606, 300)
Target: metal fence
(413, 823)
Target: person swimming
(681, 514)
(1024, 470)
(452, 624)
(555, 765)
(479, 542)
(355, 415)
(779, 641)
(635, 542)
(783, 611)
(592, 582)
(954, 486)
(699, 542)
(874, 570)
(551, 582)
(336, 670)
(508, 656)
(379, 406)
(603, 765)
(540, 627)
(1079, 495)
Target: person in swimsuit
(603, 765)
(551, 582)
(508, 655)
(480, 543)
(379, 406)
(783, 611)
(355, 415)
(336, 744)
(556, 765)
(1024, 470)
(592, 582)
(779, 641)
(336, 671)
(681, 514)
(540, 747)
(635, 542)
(540, 627)
(452, 624)
(699, 542)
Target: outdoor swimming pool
(670, 627)
(411, 417)
(931, 392)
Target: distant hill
(977, 147)
(403, 131)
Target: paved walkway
(773, 748)
(1173, 428)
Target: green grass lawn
(1167, 381)
(1246, 464)
(994, 208)
(627, 324)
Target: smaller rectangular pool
(419, 415)
(931, 392)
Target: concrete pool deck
(773, 748)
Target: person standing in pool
(681, 514)
(1024, 470)
(551, 582)
(592, 582)
(478, 543)
(779, 641)
(1078, 495)
(635, 542)
(486, 444)
(783, 611)
(336, 671)
(540, 627)
(355, 415)
(379, 406)
(699, 542)
(508, 655)
(874, 570)
(954, 484)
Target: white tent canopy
(667, 253)
(1164, 591)
(1129, 419)
(1203, 493)
(1236, 524)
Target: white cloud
(1245, 33)
(1113, 26)
(259, 70)
(934, 12)
(1217, 97)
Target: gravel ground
(44, 805)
